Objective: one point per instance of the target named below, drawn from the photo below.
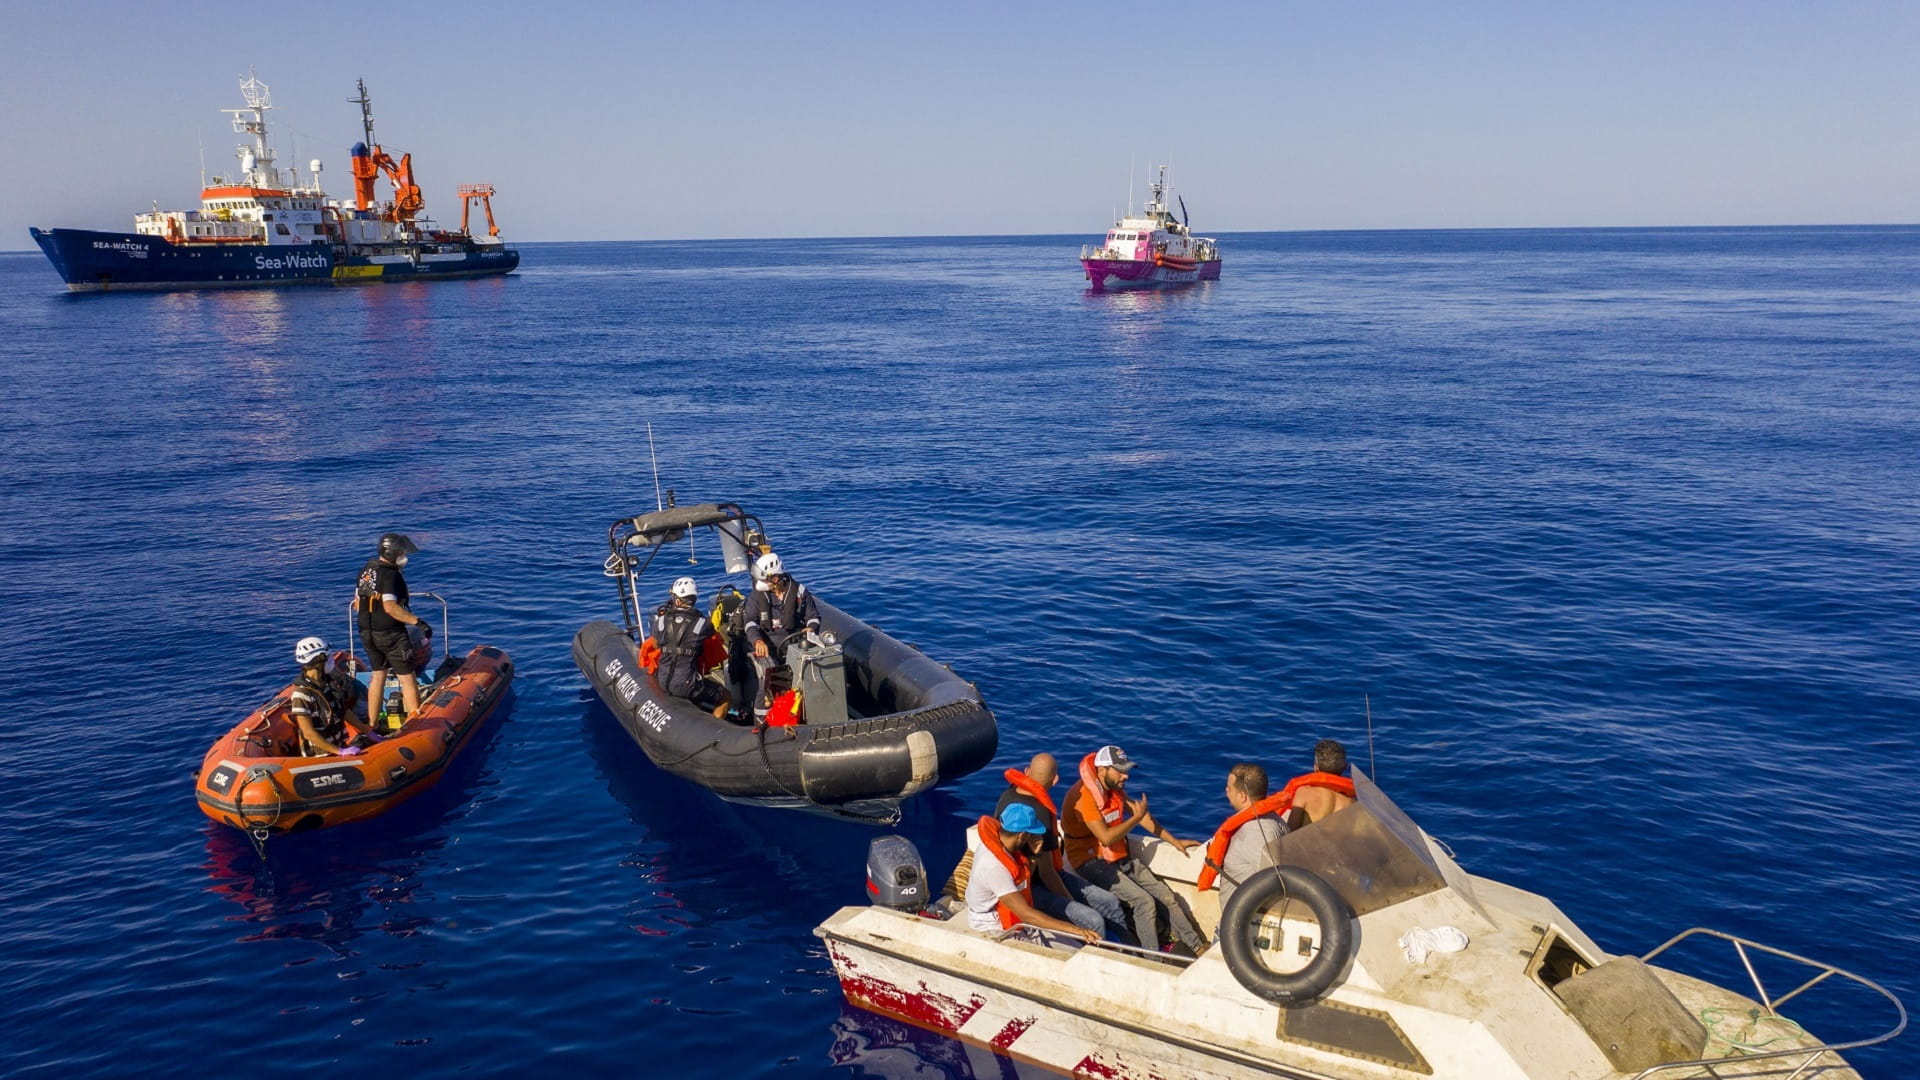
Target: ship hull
(1142, 274)
(90, 261)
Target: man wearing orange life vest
(1095, 819)
(1326, 789)
(1239, 848)
(1061, 893)
(1000, 888)
(1250, 832)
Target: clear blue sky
(663, 121)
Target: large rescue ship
(1151, 248)
(268, 226)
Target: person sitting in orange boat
(1236, 852)
(1095, 819)
(320, 705)
(1000, 886)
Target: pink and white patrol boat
(1152, 248)
(1367, 954)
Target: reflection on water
(1141, 301)
(331, 886)
(881, 1046)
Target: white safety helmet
(768, 565)
(308, 649)
(685, 587)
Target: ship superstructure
(269, 225)
(1152, 247)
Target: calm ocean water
(1613, 531)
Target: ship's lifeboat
(254, 778)
(1174, 262)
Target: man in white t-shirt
(999, 888)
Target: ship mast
(256, 161)
(366, 110)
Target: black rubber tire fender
(1337, 941)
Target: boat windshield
(1371, 853)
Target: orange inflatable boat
(255, 779)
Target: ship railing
(1821, 972)
(1090, 251)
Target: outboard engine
(896, 878)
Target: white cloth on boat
(1420, 942)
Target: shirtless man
(1313, 802)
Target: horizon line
(1224, 232)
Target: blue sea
(1609, 534)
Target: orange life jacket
(650, 656)
(1111, 806)
(1027, 785)
(785, 710)
(1016, 866)
(1272, 804)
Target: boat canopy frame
(634, 542)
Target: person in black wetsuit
(772, 616)
(681, 630)
(380, 599)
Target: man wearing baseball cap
(1095, 818)
(1000, 888)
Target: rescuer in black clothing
(772, 615)
(681, 631)
(380, 598)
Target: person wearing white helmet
(681, 631)
(772, 615)
(320, 705)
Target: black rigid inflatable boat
(881, 720)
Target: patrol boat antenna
(1366, 700)
(658, 502)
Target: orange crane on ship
(483, 192)
(370, 160)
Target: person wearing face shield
(380, 601)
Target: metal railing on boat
(1772, 1004)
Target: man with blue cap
(1000, 886)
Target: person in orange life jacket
(320, 704)
(1323, 791)
(380, 600)
(1095, 820)
(1306, 799)
(1243, 845)
(1000, 888)
(1066, 895)
(681, 631)
(773, 615)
